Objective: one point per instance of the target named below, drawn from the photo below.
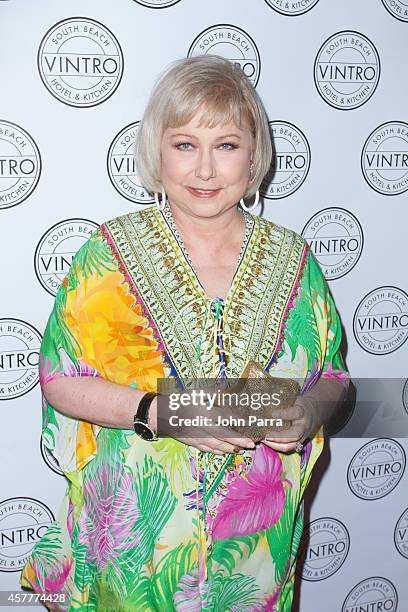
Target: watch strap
(142, 413)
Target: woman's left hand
(305, 424)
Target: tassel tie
(217, 359)
(219, 329)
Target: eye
(228, 146)
(183, 146)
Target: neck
(219, 228)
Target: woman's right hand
(223, 444)
(208, 435)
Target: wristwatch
(140, 420)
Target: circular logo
(19, 357)
(121, 166)
(20, 164)
(23, 522)
(376, 468)
(372, 594)
(80, 62)
(157, 4)
(56, 249)
(336, 238)
(380, 322)
(347, 70)
(232, 43)
(405, 396)
(50, 459)
(397, 8)
(290, 162)
(384, 158)
(401, 534)
(324, 547)
(292, 8)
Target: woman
(195, 287)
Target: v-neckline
(249, 224)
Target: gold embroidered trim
(255, 306)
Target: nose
(205, 168)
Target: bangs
(216, 105)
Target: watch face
(143, 430)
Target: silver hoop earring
(253, 205)
(160, 205)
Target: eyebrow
(192, 136)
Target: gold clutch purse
(254, 381)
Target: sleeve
(66, 351)
(331, 363)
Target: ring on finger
(299, 447)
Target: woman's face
(206, 171)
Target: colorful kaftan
(161, 526)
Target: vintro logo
(397, 8)
(290, 162)
(374, 593)
(57, 248)
(405, 396)
(324, 547)
(80, 62)
(23, 522)
(376, 468)
(121, 166)
(347, 70)
(336, 238)
(401, 534)
(157, 4)
(293, 8)
(380, 322)
(19, 357)
(232, 43)
(384, 158)
(20, 164)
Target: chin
(205, 207)
(208, 209)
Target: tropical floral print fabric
(160, 526)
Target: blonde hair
(222, 91)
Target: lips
(203, 194)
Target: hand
(207, 435)
(218, 446)
(305, 423)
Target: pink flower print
(192, 496)
(255, 502)
(311, 377)
(46, 374)
(56, 577)
(108, 516)
(305, 454)
(52, 579)
(189, 592)
(268, 606)
(65, 367)
(75, 368)
(70, 518)
(331, 373)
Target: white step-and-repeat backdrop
(75, 77)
